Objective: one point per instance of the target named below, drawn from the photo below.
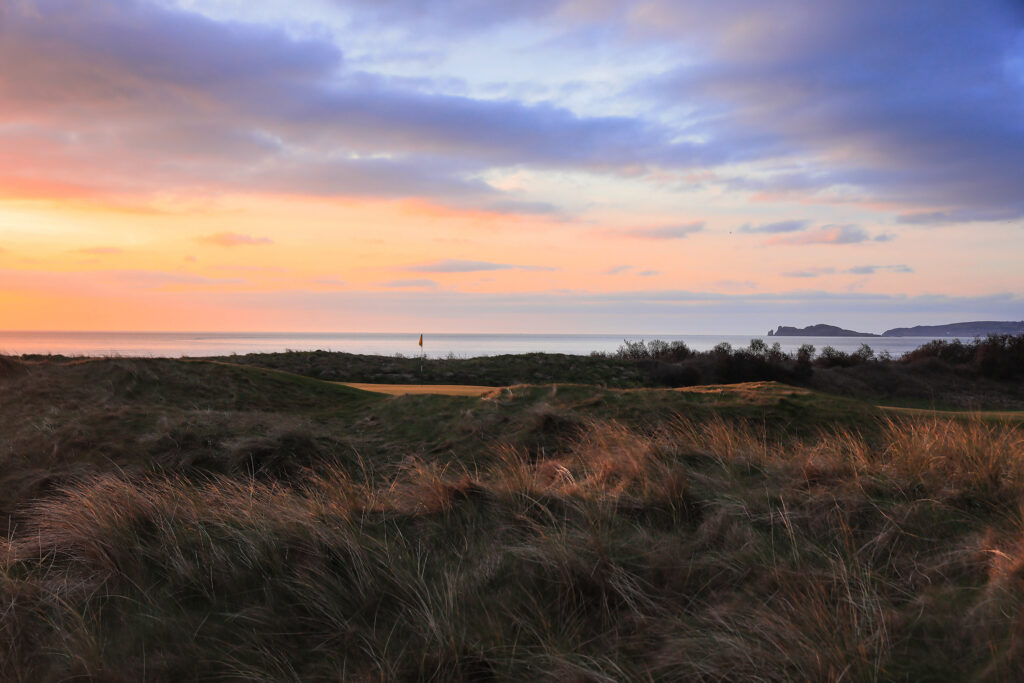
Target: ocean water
(198, 344)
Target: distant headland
(978, 328)
(820, 330)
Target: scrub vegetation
(985, 373)
(180, 520)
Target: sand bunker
(437, 389)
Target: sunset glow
(528, 166)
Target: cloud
(233, 239)
(410, 284)
(927, 119)
(447, 15)
(463, 266)
(778, 227)
(871, 270)
(667, 232)
(253, 269)
(99, 251)
(809, 272)
(159, 280)
(641, 273)
(862, 270)
(830, 234)
(950, 217)
(210, 97)
(928, 116)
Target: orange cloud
(233, 239)
(99, 251)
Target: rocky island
(820, 330)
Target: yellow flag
(421, 341)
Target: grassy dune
(174, 520)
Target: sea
(200, 344)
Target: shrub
(633, 350)
(804, 358)
(832, 357)
(863, 354)
(655, 349)
(998, 355)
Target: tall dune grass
(691, 551)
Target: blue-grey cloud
(809, 272)
(371, 114)
(919, 103)
(446, 16)
(871, 270)
(666, 232)
(130, 81)
(464, 266)
(410, 284)
(846, 233)
(960, 216)
(777, 227)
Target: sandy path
(438, 389)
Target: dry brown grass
(686, 550)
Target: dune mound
(10, 367)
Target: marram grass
(691, 550)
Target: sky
(533, 166)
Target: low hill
(978, 328)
